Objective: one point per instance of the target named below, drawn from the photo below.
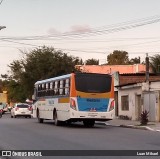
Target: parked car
(21, 109)
(4, 107)
(1, 110)
(9, 108)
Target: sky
(82, 28)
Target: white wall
(155, 87)
(131, 92)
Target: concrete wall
(149, 90)
(131, 92)
(154, 88)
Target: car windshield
(22, 106)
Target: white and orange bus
(86, 97)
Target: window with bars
(125, 102)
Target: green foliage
(92, 62)
(144, 117)
(39, 64)
(118, 58)
(16, 92)
(155, 63)
(0, 86)
(135, 60)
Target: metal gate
(149, 105)
(138, 107)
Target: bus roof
(63, 77)
(53, 79)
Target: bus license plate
(92, 114)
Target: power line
(19, 42)
(107, 30)
(139, 23)
(83, 51)
(132, 24)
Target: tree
(135, 60)
(155, 63)
(1, 85)
(118, 58)
(39, 64)
(16, 92)
(92, 62)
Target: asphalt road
(27, 134)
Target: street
(27, 134)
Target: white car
(21, 109)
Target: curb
(129, 126)
(139, 127)
(134, 127)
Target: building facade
(137, 97)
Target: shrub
(144, 117)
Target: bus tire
(89, 123)
(40, 120)
(56, 121)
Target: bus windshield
(93, 83)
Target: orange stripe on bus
(63, 100)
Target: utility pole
(147, 68)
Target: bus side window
(39, 90)
(53, 93)
(43, 89)
(64, 83)
(47, 89)
(61, 87)
(61, 90)
(51, 89)
(56, 88)
(67, 87)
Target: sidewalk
(153, 126)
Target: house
(126, 80)
(133, 98)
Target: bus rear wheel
(56, 121)
(89, 123)
(40, 120)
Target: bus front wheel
(56, 121)
(88, 123)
